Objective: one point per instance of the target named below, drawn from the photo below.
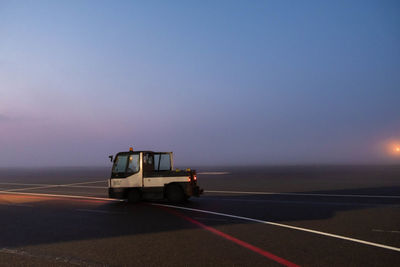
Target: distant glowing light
(393, 147)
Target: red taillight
(195, 177)
(189, 179)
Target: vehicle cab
(140, 175)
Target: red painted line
(239, 242)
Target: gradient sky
(217, 82)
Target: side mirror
(111, 158)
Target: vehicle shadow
(62, 220)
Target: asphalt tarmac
(248, 216)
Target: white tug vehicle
(140, 175)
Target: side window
(133, 165)
(165, 163)
(156, 161)
(148, 159)
(162, 162)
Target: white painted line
(63, 196)
(213, 173)
(24, 184)
(384, 231)
(85, 186)
(101, 211)
(30, 188)
(91, 182)
(65, 192)
(298, 194)
(50, 186)
(284, 226)
(318, 203)
(57, 185)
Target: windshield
(120, 163)
(126, 163)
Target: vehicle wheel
(110, 194)
(134, 196)
(175, 193)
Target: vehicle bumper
(116, 193)
(196, 191)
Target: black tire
(174, 193)
(134, 195)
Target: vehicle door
(127, 171)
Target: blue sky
(217, 82)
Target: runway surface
(248, 216)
